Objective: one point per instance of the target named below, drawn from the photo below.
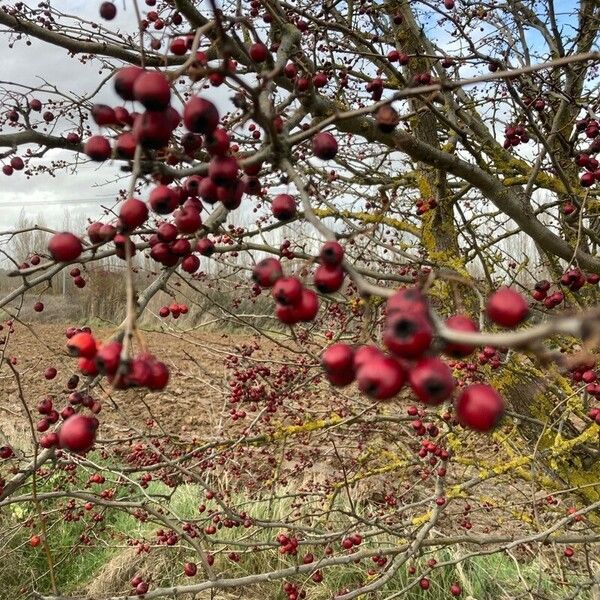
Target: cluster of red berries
(573, 279)
(352, 541)
(408, 335)
(287, 544)
(592, 169)
(167, 538)
(586, 373)
(584, 160)
(424, 206)
(174, 310)
(303, 82)
(140, 586)
(293, 591)
(294, 302)
(143, 370)
(399, 57)
(375, 88)
(540, 294)
(590, 126)
(515, 135)
(16, 164)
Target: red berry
(331, 254)
(152, 89)
(108, 11)
(507, 307)
(267, 272)
(190, 569)
(479, 407)
(284, 207)
(431, 380)
(258, 52)
(461, 323)
(103, 114)
(132, 214)
(381, 377)
(78, 433)
(287, 291)
(98, 148)
(108, 357)
(65, 247)
(163, 200)
(308, 307)
(324, 145)
(338, 358)
(82, 344)
(408, 335)
(328, 279)
(205, 247)
(200, 115)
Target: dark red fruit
(160, 376)
(205, 247)
(223, 170)
(308, 307)
(152, 89)
(108, 357)
(98, 148)
(108, 11)
(331, 254)
(462, 323)
(190, 264)
(287, 291)
(78, 433)
(125, 80)
(267, 272)
(387, 118)
(217, 142)
(507, 307)
(381, 377)
(152, 129)
(103, 114)
(133, 213)
(65, 247)
(479, 407)
(200, 115)
(82, 344)
(431, 380)
(408, 335)
(364, 354)
(328, 279)
(284, 207)
(126, 144)
(338, 358)
(324, 145)
(258, 52)
(163, 200)
(188, 220)
(407, 300)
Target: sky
(78, 194)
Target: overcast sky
(79, 194)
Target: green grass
(494, 576)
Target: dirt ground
(193, 399)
